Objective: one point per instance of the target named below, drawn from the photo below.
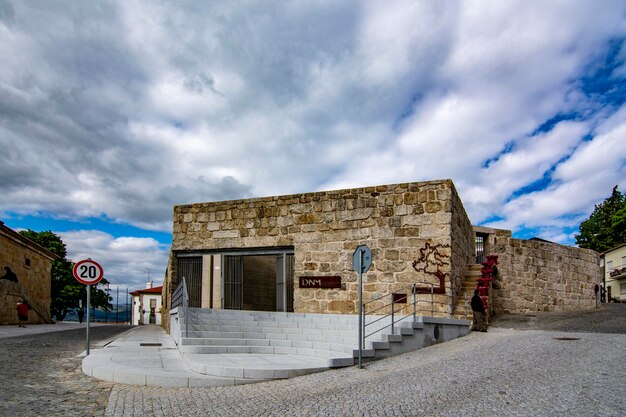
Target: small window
(27, 262)
(609, 265)
(623, 260)
(622, 289)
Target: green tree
(606, 227)
(65, 290)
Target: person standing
(478, 308)
(22, 312)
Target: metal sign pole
(360, 308)
(88, 272)
(88, 319)
(361, 262)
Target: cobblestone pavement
(40, 374)
(505, 372)
(608, 318)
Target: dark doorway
(481, 247)
(262, 282)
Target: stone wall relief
(430, 261)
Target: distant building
(615, 273)
(25, 269)
(146, 306)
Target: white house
(615, 273)
(146, 308)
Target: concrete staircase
(412, 335)
(329, 336)
(251, 346)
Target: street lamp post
(107, 289)
(117, 304)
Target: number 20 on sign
(88, 272)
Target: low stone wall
(536, 275)
(31, 266)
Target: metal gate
(289, 280)
(191, 269)
(233, 282)
(480, 248)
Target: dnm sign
(88, 272)
(320, 282)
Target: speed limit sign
(88, 272)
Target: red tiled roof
(154, 290)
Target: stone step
(274, 350)
(346, 347)
(393, 338)
(261, 367)
(365, 353)
(407, 331)
(211, 328)
(198, 337)
(215, 324)
(380, 345)
(217, 318)
(272, 316)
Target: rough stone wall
(401, 223)
(542, 276)
(33, 283)
(463, 241)
(166, 294)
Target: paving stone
(40, 374)
(505, 372)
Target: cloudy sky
(113, 112)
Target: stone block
(433, 206)
(341, 306)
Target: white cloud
(124, 109)
(530, 160)
(581, 181)
(126, 261)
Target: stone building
(294, 253)
(24, 274)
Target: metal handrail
(414, 288)
(180, 298)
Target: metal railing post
(414, 303)
(393, 310)
(185, 308)
(432, 300)
(363, 326)
(361, 312)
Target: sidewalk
(13, 330)
(147, 355)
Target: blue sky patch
(45, 222)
